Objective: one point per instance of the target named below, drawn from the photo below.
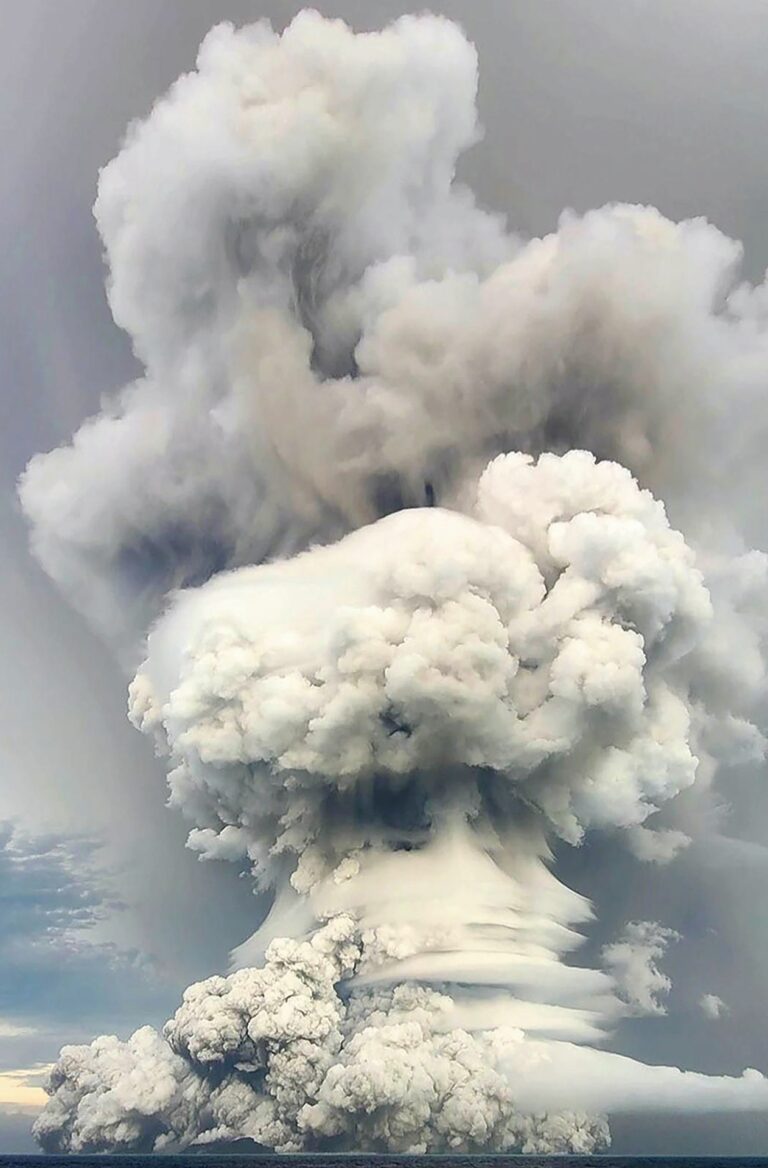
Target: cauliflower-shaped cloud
(539, 642)
(275, 1055)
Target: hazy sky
(583, 102)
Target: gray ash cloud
(380, 533)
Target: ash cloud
(381, 534)
(632, 962)
(712, 1007)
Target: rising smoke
(381, 529)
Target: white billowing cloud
(429, 646)
(632, 962)
(656, 846)
(712, 1006)
(274, 1055)
(400, 1086)
(359, 693)
(117, 1095)
(151, 1091)
(279, 1056)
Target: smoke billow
(384, 515)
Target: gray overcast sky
(583, 101)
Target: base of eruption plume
(383, 677)
(292, 1058)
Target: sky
(583, 102)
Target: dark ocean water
(364, 1161)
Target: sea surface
(196, 1160)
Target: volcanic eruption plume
(380, 534)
